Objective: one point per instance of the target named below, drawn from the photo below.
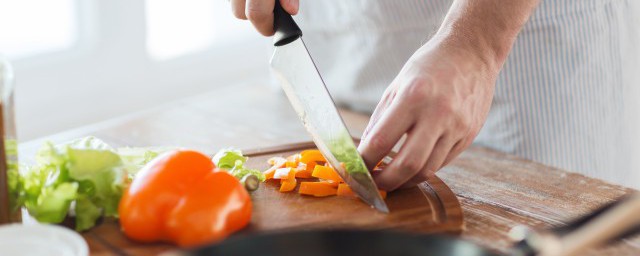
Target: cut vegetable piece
(345, 190)
(283, 173)
(334, 184)
(291, 164)
(288, 185)
(268, 174)
(312, 155)
(304, 171)
(277, 161)
(327, 173)
(294, 158)
(383, 194)
(317, 189)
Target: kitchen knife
(308, 94)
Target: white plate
(40, 239)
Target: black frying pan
(608, 224)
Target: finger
(459, 147)
(238, 7)
(394, 123)
(385, 101)
(455, 151)
(291, 6)
(434, 160)
(439, 154)
(260, 13)
(410, 160)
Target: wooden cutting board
(430, 207)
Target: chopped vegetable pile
(308, 164)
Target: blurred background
(79, 62)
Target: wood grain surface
(497, 191)
(428, 208)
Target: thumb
(291, 6)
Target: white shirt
(567, 95)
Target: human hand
(440, 100)
(260, 12)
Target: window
(30, 27)
(179, 27)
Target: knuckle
(256, 15)
(377, 142)
(417, 90)
(462, 123)
(409, 165)
(444, 106)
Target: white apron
(567, 96)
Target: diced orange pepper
(268, 174)
(291, 164)
(277, 163)
(327, 173)
(276, 160)
(383, 194)
(306, 172)
(285, 174)
(295, 158)
(311, 155)
(287, 185)
(345, 190)
(332, 183)
(317, 189)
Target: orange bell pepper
(181, 197)
(325, 172)
(317, 189)
(306, 172)
(311, 155)
(295, 158)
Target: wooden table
(497, 191)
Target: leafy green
(233, 161)
(226, 158)
(86, 171)
(133, 159)
(90, 213)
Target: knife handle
(286, 29)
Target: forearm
(486, 28)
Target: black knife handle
(286, 29)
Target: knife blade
(311, 100)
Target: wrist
(476, 27)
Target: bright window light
(30, 27)
(179, 27)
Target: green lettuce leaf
(87, 171)
(53, 202)
(233, 161)
(90, 213)
(133, 159)
(226, 158)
